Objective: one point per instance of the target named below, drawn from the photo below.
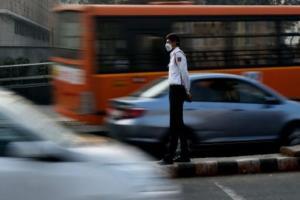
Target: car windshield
(154, 89)
(21, 113)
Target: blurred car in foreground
(42, 160)
(226, 109)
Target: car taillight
(125, 113)
(133, 112)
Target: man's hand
(189, 96)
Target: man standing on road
(178, 93)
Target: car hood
(132, 164)
(121, 157)
(111, 153)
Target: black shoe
(182, 159)
(165, 162)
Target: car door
(231, 110)
(15, 173)
(256, 118)
(209, 114)
(28, 178)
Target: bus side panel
(106, 87)
(283, 79)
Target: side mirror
(271, 100)
(39, 150)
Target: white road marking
(232, 194)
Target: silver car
(41, 160)
(226, 109)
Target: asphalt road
(278, 186)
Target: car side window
(226, 90)
(249, 93)
(208, 90)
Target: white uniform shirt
(178, 62)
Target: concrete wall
(16, 15)
(38, 11)
(8, 37)
(14, 46)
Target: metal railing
(25, 75)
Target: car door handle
(189, 109)
(237, 110)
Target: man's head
(172, 41)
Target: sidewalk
(234, 165)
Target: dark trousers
(177, 127)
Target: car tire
(292, 136)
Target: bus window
(67, 35)
(228, 43)
(254, 43)
(203, 42)
(290, 42)
(130, 45)
(111, 45)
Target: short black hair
(173, 38)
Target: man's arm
(181, 62)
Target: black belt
(176, 86)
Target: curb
(238, 165)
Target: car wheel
(292, 136)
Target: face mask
(168, 47)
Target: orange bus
(106, 51)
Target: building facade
(26, 29)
